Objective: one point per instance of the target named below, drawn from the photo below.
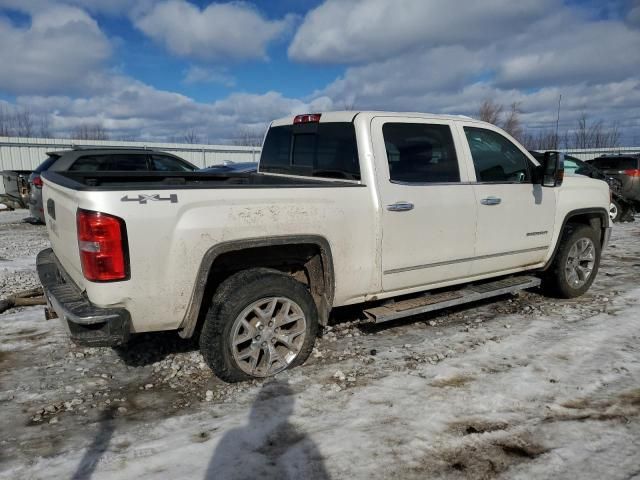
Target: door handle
(491, 201)
(400, 207)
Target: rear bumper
(85, 323)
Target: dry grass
(452, 381)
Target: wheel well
(595, 220)
(309, 263)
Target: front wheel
(576, 263)
(260, 322)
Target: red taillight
(37, 181)
(634, 172)
(101, 239)
(307, 118)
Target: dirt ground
(520, 387)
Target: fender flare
(601, 212)
(190, 320)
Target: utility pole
(558, 122)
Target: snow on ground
(521, 387)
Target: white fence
(18, 153)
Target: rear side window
(420, 153)
(495, 158)
(165, 163)
(314, 149)
(614, 163)
(111, 162)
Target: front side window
(495, 158)
(420, 153)
(164, 163)
(316, 149)
(129, 163)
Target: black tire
(555, 281)
(231, 298)
(617, 217)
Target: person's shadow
(268, 447)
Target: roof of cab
(348, 116)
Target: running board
(437, 301)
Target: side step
(437, 301)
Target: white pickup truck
(402, 212)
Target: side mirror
(552, 169)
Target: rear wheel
(576, 262)
(260, 322)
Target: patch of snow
(556, 395)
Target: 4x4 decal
(143, 198)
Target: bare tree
(249, 137)
(5, 122)
(191, 136)
(490, 111)
(90, 131)
(44, 129)
(511, 124)
(543, 140)
(493, 112)
(595, 135)
(23, 123)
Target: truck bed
(110, 181)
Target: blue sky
(154, 69)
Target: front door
(428, 207)
(515, 216)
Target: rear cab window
(326, 150)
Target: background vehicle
(16, 188)
(232, 167)
(626, 169)
(101, 160)
(621, 209)
(346, 208)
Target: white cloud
(594, 52)
(219, 31)
(348, 31)
(128, 107)
(197, 74)
(56, 53)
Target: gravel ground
(509, 388)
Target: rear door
(428, 206)
(515, 216)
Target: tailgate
(60, 205)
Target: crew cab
(400, 212)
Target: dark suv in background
(101, 160)
(625, 168)
(621, 209)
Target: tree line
(585, 134)
(22, 122)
